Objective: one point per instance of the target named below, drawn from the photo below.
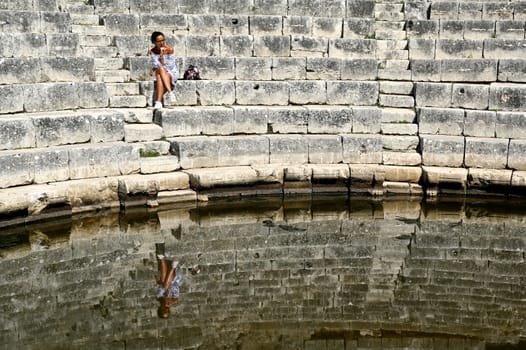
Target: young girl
(164, 67)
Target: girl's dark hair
(154, 36)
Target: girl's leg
(159, 87)
(166, 79)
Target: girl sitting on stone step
(164, 67)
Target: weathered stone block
(470, 96)
(17, 168)
(433, 94)
(222, 177)
(451, 29)
(53, 129)
(470, 10)
(399, 128)
(92, 95)
(307, 46)
(67, 68)
(99, 160)
(121, 24)
(504, 48)
(140, 133)
(400, 143)
(426, 70)
(51, 165)
(272, 45)
(216, 92)
(289, 68)
(204, 24)
(250, 120)
(63, 45)
(358, 28)
(401, 158)
(438, 150)
(327, 27)
(253, 68)
(236, 45)
(265, 25)
(445, 176)
(362, 148)
(202, 45)
(167, 22)
(469, 70)
(262, 93)
(308, 92)
(497, 10)
(361, 9)
(118, 6)
(20, 21)
(444, 10)
(422, 29)
(325, 149)
(358, 93)
(329, 120)
(447, 121)
(517, 155)
(509, 29)
(398, 115)
(450, 48)
(288, 149)
(185, 121)
(106, 125)
(319, 68)
(12, 98)
(508, 97)
(415, 9)
(511, 125)
(16, 133)
(366, 120)
(477, 30)
(284, 120)
(485, 179)
(359, 69)
(50, 97)
(480, 123)
(512, 70)
(185, 92)
(487, 153)
(421, 49)
(387, 100)
(131, 45)
(297, 25)
(352, 48)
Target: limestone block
(399, 128)
(51, 164)
(480, 123)
(479, 29)
(12, 100)
(366, 119)
(139, 67)
(237, 45)
(166, 23)
(511, 125)
(250, 120)
(142, 132)
(216, 92)
(361, 9)
(202, 45)
(358, 93)
(443, 121)
(402, 173)
(444, 176)
(235, 24)
(396, 101)
(129, 101)
(401, 158)
(397, 115)
(63, 45)
(222, 177)
(50, 97)
(395, 87)
(253, 68)
(365, 175)
(510, 29)
(329, 120)
(23, 70)
(433, 94)
(207, 152)
(439, 150)
(185, 121)
(359, 69)
(272, 7)
(121, 24)
(16, 133)
(119, 6)
(486, 178)
(269, 173)
(289, 68)
(507, 97)
(203, 24)
(297, 25)
(67, 68)
(452, 29)
(352, 48)
(297, 173)
(214, 68)
(421, 48)
(154, 147)
(362, 148)
(400, 143)
(490, 153)
(497, 10)
(327, 27)
(519, 13)
(504, 48)
(55, 22)
(422, 29)
(358, 28)
(185, 92)
(455, 48)
(512, 70)
(262, 93)
(161, 164)
(17, 168)
(265, 25)
(472, 96)
(20, 21)
(322, 68)
(470, 11)
(272, 45)
(86, 193)
(308, 92)
(415, 9)
(444, 10)
(517, 155)
(131, 45)
(469, 70)
(92, 95)
(288, 149)
(284, 120)
(324, 149)
(308, 46)
(53, 129)
(426, 70)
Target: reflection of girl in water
(169, 281)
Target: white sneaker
(158, 105)
(171, 96)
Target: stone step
(159, 164)
(142, 132)
(112, 76)
(122, 89)
(84, 19)
(109, 63)
(389, 12)
(385, 74)
(128, 101)
(390, 35)
(388, 54)
(88, 29)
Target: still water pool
(271, 273)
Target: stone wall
(414, 97)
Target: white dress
(170, 63)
